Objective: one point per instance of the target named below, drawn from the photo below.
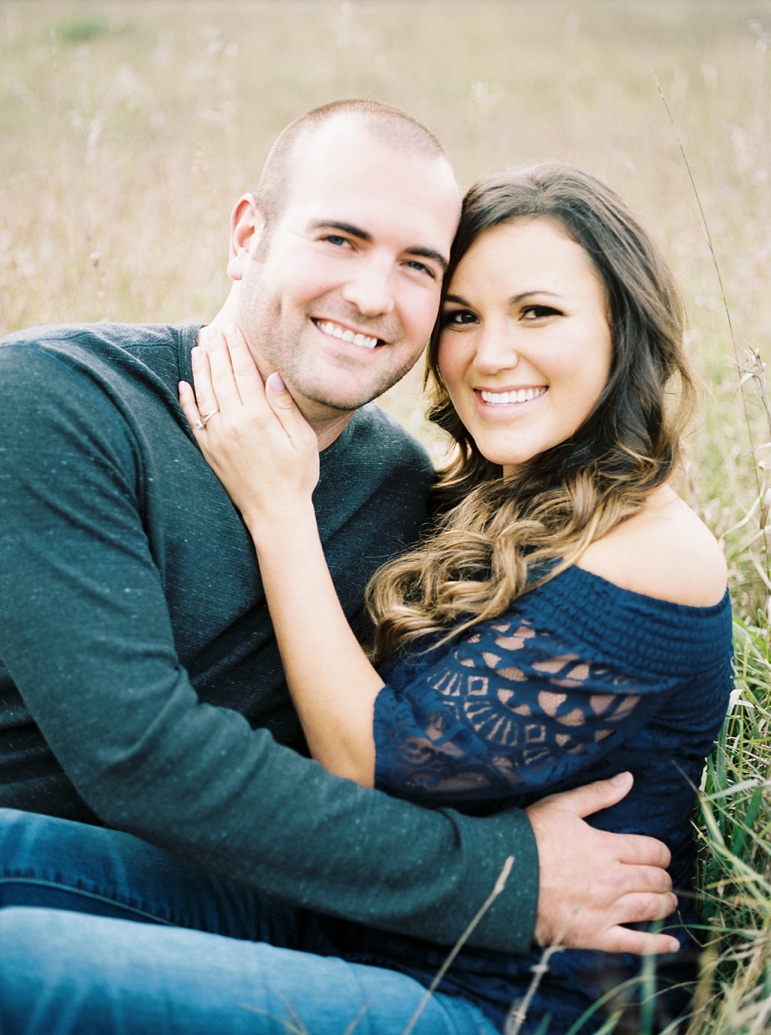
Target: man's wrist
(508, 921)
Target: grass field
(127, 129)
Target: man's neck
(328, 424)
(330, 429)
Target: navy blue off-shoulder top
(579, 680)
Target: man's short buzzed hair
(386, 123)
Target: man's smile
(346, 334)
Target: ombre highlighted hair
(499, 537)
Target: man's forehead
(345, 155)
(350, 132)
(343, 174)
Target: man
(140, 685)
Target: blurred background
(129, 128)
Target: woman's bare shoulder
(665, 551)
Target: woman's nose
(496, 351)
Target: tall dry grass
(127, 129)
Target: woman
(568, 617)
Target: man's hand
(593, 881)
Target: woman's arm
(266, 455)
(552, 690)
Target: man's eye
(415, 264)
(336, 239)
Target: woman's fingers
(207, 396)
(190, 407)
(215, 382)
(257, 442)
(229, 391)
(299, 432)
(212, 390)
(200, 406)
(243, 367)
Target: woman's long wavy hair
(496, 534)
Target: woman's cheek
(450, 359)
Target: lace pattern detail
(531, 701)
(507, 709)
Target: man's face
(343, 296)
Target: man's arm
(85, 634)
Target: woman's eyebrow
(514, 300)
(535, 291)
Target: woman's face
(525, 347)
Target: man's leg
(59, 864)
(66, 973)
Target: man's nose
(370, 287)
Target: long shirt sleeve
(140, 685)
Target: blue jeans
(66, 973)
(244, 964)
(60, 864)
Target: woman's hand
(252, 435)
(266, 455)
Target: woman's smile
(525, 349)
(509, 396)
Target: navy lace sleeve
(580, 679)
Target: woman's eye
(457, 318)
(539, 312)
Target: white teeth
(504, 398)
(346, 335)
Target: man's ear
(246, 225)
